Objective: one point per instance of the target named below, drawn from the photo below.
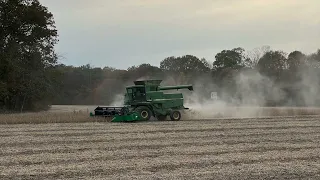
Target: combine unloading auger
(146, 99)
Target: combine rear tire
(175, 116)
(144, 112)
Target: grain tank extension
(146, 99)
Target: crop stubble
(282, 148)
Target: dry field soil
(247, 148)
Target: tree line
(31, 78)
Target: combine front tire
(144, 113)
(175, 115)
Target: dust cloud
(118, 100)
(251, 92)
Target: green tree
(296, 60)
(27, 39)
(184, 69)
(186, 64)
(273, 64)
(233, 58)
(144, 70)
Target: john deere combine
(146, 99)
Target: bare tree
(255, 54)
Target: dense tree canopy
(185, 64)
(230, 58)
(31, 78)
(272, 64)
(27, 38)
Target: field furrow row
(152, 136)
(147, 145)
(182, 129)
(299, 169)
(123, 154)
(161, 163)
(100, 125)
(5, 142)
(218, 127)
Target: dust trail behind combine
(221, 110)
(252, 95)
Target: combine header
(146, 99)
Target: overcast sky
(122, 33)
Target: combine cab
(144, 100)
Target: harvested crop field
(248, 148)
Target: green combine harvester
(146, 99)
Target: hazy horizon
(125, 33)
